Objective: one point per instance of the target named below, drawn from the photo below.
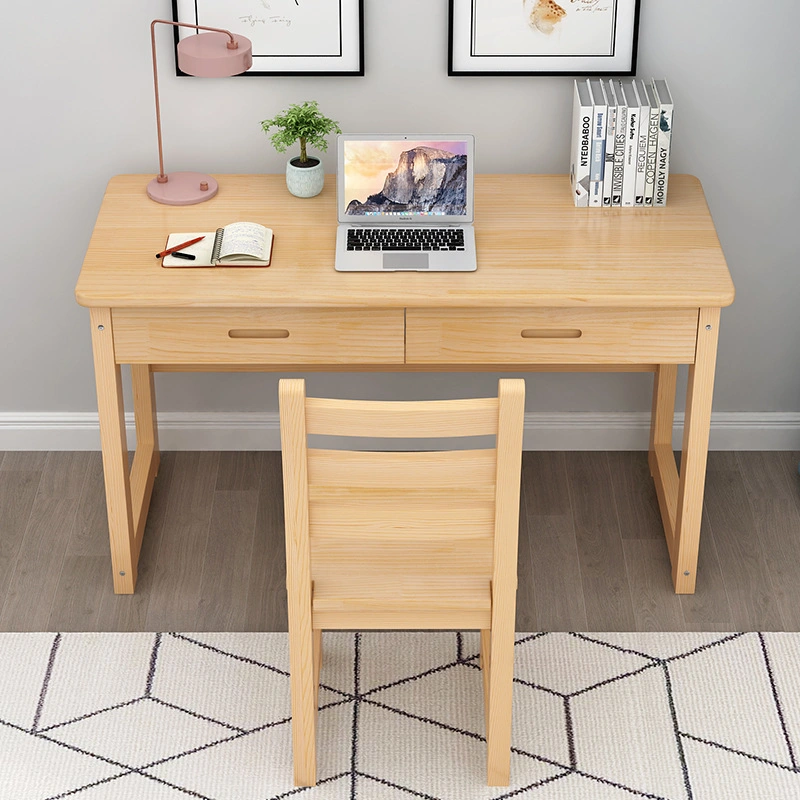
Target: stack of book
(621, 137)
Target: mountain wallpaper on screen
(426, 179)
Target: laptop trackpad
(405, 261)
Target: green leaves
(303, 123)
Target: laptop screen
(405, 179)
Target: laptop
(405, 203)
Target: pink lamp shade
(207, 55)
(204, 55)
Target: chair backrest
(353, 515)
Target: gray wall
(78, 108)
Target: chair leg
(486, 639)
(498, 727)
(317, 646)
(304, 705)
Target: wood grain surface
(538, 250)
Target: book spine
(663, 152)
(581, 145)
(217, 246)
(641, 150)
(608, 169)
(652, 149)
(598, 155)
(631, 146)
(621, 125)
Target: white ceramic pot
(304, 181)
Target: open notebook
(240, 244)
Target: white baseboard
(260, 431)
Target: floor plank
(64, 473)
(228, 561)
(775, 505)
(605, 587)
(239, 470)
(635, 496)
(179, 568)
(17, 494)
(266, 592)
(32, 585)
(655, 606)
(526, 618)
(709, 604)
(555, 565)
(23, 461)
(748, 584)
(90, 536)
(78, 597)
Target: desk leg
(695, 453)
(661, 458)
(148, 455)
(113, 441)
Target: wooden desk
(557, 288)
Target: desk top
(534, 249)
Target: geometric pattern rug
(614, 716)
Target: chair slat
(387, 528)
(435, 418)
(383, 601)
(368, 617)
(359, 558)
(421, 470)
(398, 514)
(444, 497)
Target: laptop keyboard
(409, 239)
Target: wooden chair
(402, 540)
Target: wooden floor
(592, 555)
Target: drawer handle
(264, 333)
(552, 333)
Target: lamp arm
(232, 45)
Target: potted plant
(304, 174)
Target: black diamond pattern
(598, 654)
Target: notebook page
(244, 238)
(201, 250)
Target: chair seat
(391, 601)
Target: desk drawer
(550, 336)
(254, 336)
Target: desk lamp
(218, 54)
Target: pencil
(178, 247)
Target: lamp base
(182, 189)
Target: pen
(187, 256)
(177, 247)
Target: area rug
(688, 716)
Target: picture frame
(543, 37)
(290, 37)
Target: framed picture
(543, 37)
(290, 37)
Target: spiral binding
(217, 245)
